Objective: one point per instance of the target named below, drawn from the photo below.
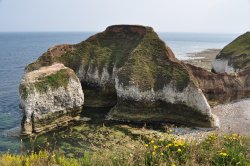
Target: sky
(209, 16)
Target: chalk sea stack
(50, 97)
(234, 57)
(129, 69)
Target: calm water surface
(19, 49)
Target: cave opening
(99, 97)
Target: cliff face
(234, 57)
(50, 97)
(223, 87)
(130, 68)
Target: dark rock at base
(159, 111)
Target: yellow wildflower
(173, 164)
(146, 145)
(155, 147)
(152, 141)
(170, 131)
(179, 150)
(223, 154)
(162, 154)
(181, 142)
(153, 153)
(168, 145)
(176, 143)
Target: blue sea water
(183, 43)
(19, 49)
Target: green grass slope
(237, 52)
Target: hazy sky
(227, 16)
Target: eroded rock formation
(130, 69)
(50, 97)
(234, 57)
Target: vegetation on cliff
(58, 79)
(237, 52)
(53, 81)
(149, 66)
(143, 57)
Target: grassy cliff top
(237, 52)
(150, 65)
(238, 46)
(110, 47)
(45, 78)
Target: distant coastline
(203, 58)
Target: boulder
(234, 57)
(50, 97)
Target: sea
(18, 49)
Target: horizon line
(103, 30)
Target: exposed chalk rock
(188, 106)
(50, 97)
(222, 66)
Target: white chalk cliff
(50, 97)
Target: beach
(234, 117)
(202, 59)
